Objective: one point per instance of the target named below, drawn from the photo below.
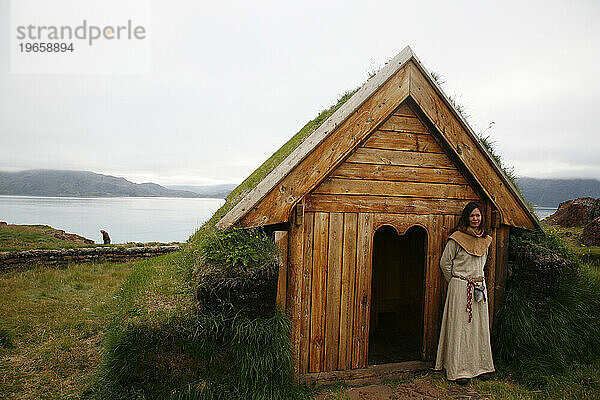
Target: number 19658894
(46, 47)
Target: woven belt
(470, 285)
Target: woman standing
(464, 349)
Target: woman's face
(475, 218)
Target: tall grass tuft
(531, 344)
(6, 337)
(161, 345)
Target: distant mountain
(552, 192)
(217, 191)
(45, 182)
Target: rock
(70, 237)
(591, 233)
(576, 212)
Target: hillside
(79, 184)
(214, 191)
(552, 192)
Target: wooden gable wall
(400, 168)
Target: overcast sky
(230, 82)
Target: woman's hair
(463, 222)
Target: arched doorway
(397, 295)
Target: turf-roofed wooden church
(362, 209)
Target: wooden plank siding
(319, 292)
(281, 239)
(306, 289)
(364, 248)
(347, 299)
(502, 241)
(336, 285)
(334, 282)
(396, 189)
(294, 297)
(408, 141)
(490, 265)
(383, 204)
(364, 155)
(398, 173)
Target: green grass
(29, 237)
(572, 238)
(26, 237)
(160, 347)
(52, 322)
(535, 347)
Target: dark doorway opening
(397, 295)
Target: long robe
(464, 349)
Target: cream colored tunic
(464, 348)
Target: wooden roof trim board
(314, 139)
(535, 224)
(280, 172)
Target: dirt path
(418, 389)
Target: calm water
(126, 219)
(543, 212)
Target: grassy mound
(546, 325)
(237, 273)
(162, 345)
(26, 237)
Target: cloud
(231, 82)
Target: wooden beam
(383, 204)
(367, 376)
(294, 285)
(306, 290)
(433, 281)
(403, 141)
(502, 242)
(334, 284)
(490, 269)
(319, 292)
(365, 155)
(281, 239)
(395, 189)
(398, 173)
(404, 110)
(404, 124)
(347, 299)
(362, 302)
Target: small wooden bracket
(300, 213)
